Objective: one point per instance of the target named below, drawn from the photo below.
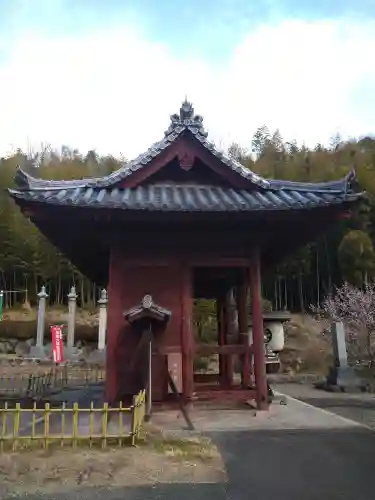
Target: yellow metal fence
(71, 425)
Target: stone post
(102, 320)
(38, 351)
(98, 356)
(71, 351)
(341, 375)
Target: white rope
(13, 291)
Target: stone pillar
(102, 320)
(38, 350)
(71, 351)
(341, 375)
(98, 356)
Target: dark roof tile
(262, 194)
(184, 198)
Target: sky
(107, 74)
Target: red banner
(57, 344)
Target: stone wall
(21, 347)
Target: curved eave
(27, 183)
(184, 199)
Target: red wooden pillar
(258, 334)
(221, 334)
(243, 328)
(187, 340)
(228, 361)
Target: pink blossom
(355, 307)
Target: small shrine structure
(182, 221)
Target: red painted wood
(186, 160)
(169, 349)
(127, 285)
(205, 378)
(242, 294)
(111, 382)
(187, 338)
(211, 392)
(228, 360)
(185, 147)
(210, 349)
(220, 339)
(258, 334)
(194, 262)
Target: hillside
(306, 350)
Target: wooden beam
(210, 349)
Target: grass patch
(187, 449)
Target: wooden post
(228, 324)
(221, 334)
(243, 328)
(187, 341)
(258, 334)
(149, 378)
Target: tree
(260, 141)
(237, 152)
(357, 257)
(345, 253)
(355, 307)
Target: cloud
(113, 89)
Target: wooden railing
(51, 380)
(72, 426)
(229, 350)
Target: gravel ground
(359, 407)
(313, 464)
(287, 464)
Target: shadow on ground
(287, 465)
(301, 464)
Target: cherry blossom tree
(355, 307)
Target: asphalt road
(359, 407)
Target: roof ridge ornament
(186, 119)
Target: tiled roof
(262, 194)
(187, 198)
(185, 121)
